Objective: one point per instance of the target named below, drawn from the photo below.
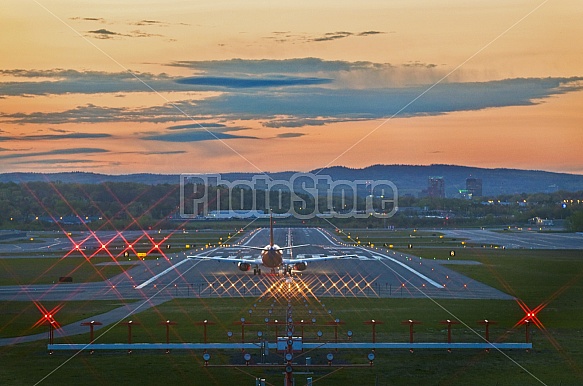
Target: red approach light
(530, 314)
(48, 316)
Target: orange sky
(423, 41)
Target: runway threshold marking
(161, 274)
(380, 256)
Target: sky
(171, 87)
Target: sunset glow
(220, 86)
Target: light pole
(411, 323)
(449, 323)
(168, 323)
(130, 324)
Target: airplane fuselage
(271, 256)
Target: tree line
(126, 205)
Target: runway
(372, 273)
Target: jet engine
(244, 266)
(300, 266)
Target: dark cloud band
(231, 82)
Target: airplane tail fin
(271, 229)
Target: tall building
(474, 186)
(436, 187)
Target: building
(436, 187)
(474, 186)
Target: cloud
(45, 137)
(229, 74)
(294, 107)
(251, 82)
(280, 93)
(201, 125)
(91, 113)
(368, 33)
(269, 66)
(299, 122)
(53, 161)
(98, 19)
(141, 23)
(59, 130)
(83, 82)
(418, 64)
(290, 135)
(107, 34)
(81, 114)
(343, 74)
(86, 150)
(67, 136)
(146, 153)
(194, 132)
(13, 149)
(382, 103)
(194, 136)
(332, 36)
(141, 34)
(286, 36)
(103, 33)
(150, 22)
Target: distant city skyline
(179, 87)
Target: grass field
(19, 318)
(49, 270)
(550, 279)
(554, 362)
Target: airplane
(271, 256)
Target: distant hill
(91, 178)
(408, 178)
(413, 179)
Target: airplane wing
(293, 246)
(263, 248)
(315, 258)
(228, 259)
(250, 247)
